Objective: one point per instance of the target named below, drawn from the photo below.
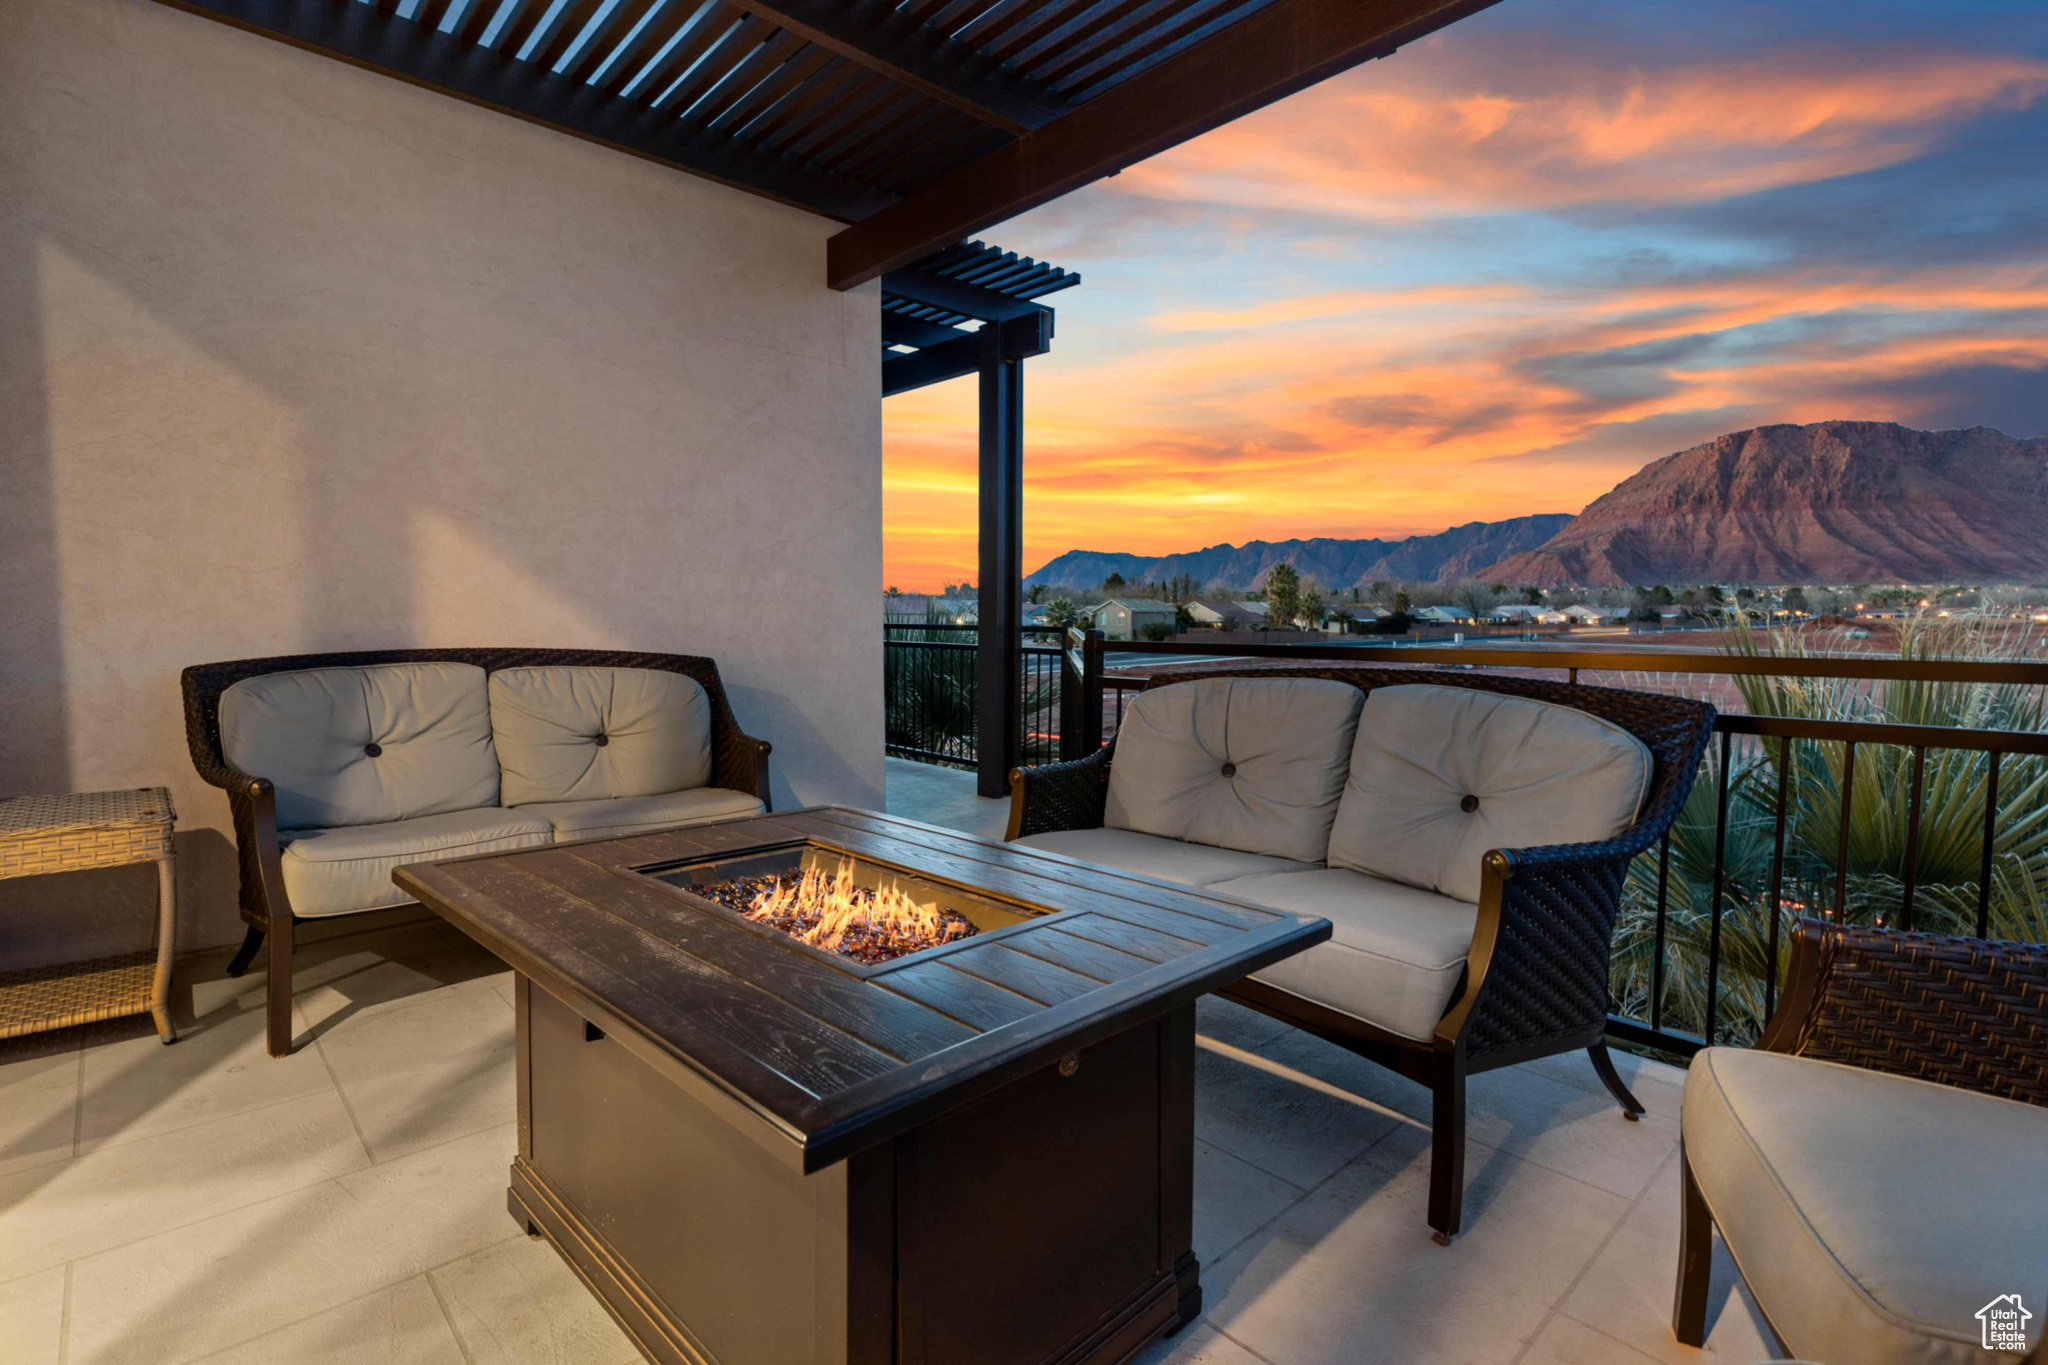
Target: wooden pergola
(925, 308)
(915, 122)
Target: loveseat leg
(1631, 1107)
(278, 990)
(246, 954)
(1695, 1260)
(1447, 1150)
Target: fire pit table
(761, 1150)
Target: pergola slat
(359, 34)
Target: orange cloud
(1410, 138)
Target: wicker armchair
(740, 764)
(1962, 1013)
(1536, 976)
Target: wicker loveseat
(341, 767)
(1876, 1164)
(1467, 835)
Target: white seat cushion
(1872, 1215)
(1150, 855)
(1254, 764)
(340, 871)
(1441, 775)
(638, 814)
(1395, 953)
(587, 734)
(311, 733)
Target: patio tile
(402, 1325)
(32, 1318)
(1566, 1341)
(213, 1284)
(1200, 1344)
(1286, 1123)
(117, 1194)
(138, 1087)
(1571, 1130)
(38, 1073)
(1349, 1276)
(437, 1069)
(1226, 1021)
(1659, 1085)
(1626, 1292)
(517, 1303)
(366, 982)
(1233, 1199)
(38, 1126)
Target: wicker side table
(40, 834)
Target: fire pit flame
(830, 911)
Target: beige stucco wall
(298, 357)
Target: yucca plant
(1855, 867)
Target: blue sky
(1502, 270)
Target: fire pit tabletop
(817, 1057)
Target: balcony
(205, 1202)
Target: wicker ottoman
(40, 834)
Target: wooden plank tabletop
(818, 1062)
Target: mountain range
(1828, 502)
(1452, 555)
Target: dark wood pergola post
(999, 657)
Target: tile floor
(345, 1206)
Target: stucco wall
(294, 356)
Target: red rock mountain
(1833, 502)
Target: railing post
(1088, 720)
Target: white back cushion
(311, 733)
(1440, 775)
(581, 734)
(1254, 764)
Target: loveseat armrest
(1958, 1011)
(1538, 968)
(1057, 796)
(743, 764)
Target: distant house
(907, 606)
(1515, 613)
(1585, 615)
(1228, 615)
(959, 611)
(1122, 618)
(1443, 616)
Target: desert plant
(1854, 867)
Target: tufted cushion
(340, 871)
(621, 815)
(582, 734)
(1395, 955)
(1150, 855)
(1872, 1215)
(1253, 764)
(1440, 775)
(311, 732)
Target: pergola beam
(369, 37)
(900, 330)
(1288, 46)
(955, 296)
(877, 35)
(933, 365)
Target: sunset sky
(1504, 269)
